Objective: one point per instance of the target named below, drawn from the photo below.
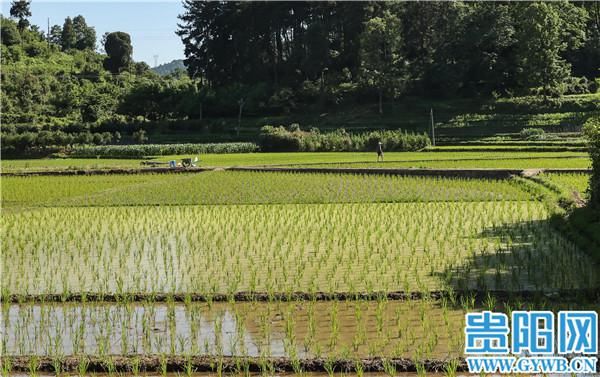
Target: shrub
(28, 143)
(533, 134)
(140, 137)
(592, 131)
(293, 139)
(138, 150)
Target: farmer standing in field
(379, 151)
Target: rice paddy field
(429, 159)
(571, 182)
(263, 272)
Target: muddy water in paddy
(294, 329)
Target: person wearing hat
(379, 151)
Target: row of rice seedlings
(348, 329)
(229, 187)
(285, 248)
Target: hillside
(168, 68)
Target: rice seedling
(450, 368)
(388, 367)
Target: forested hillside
(490, 67)
(169, 68)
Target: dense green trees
(545, 32)
(10, 34)
(74, 34)
(260, 58)
(442, 49)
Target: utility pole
(155, 61)
(48, 35)
(432, 127)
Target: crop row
(285, 248)
(229, 187)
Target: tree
(85, 36)
(140, 68)
(486, 48)
(118, 48)
(380, 54)
(586, 60)
(10, 34)
(68, 37)
(56, 35)
(20, 9)
(543, 36)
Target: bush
(293, 139)
(140, 137)
(28, 143)
(533, 134)
(137, 150)
(592, 131)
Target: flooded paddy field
(431, 329)
(347, 329)
(360, 247)
(274, 273)
(345, 336)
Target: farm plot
(364, 247)
(570, 182)
(229, 187)
(511, 159)
(346, 330)
(485, 163)
(130, 238)
(304, 330)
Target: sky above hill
(151, 23)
